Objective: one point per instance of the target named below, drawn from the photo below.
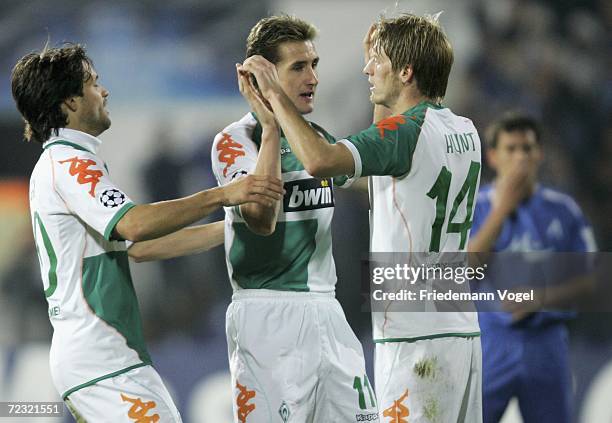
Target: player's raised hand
(261, 189)
(265, 74)
(512, 188)
(258, 104)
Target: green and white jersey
(298, 255)
(97, 331)
(425, 167)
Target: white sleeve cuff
(356, 158)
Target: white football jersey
(97, 331)
(301, 245)
(425, 169)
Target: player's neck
(78, 126)
(407, 100)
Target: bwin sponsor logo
(308, 194)
(309, 197)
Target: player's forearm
(486, 237)
(186, 241)
(312, 150)
(258, 217)
(150, 221)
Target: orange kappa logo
(244, 409)
(80, 167)
(228, 151)
(138, 411)
(390, 124)
(398, 411)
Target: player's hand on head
(261, 189)
(253, 96)
(265, 74)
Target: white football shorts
(138, 395)
(430, 380)
(294, 358)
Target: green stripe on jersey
(52, 275)
(108, 289)
(278, 261)
(71, 144)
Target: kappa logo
(242, 402)
(228, 150)
(390, 124)
(85, 175)
(139, 410)
(398, 411)
(308, 194)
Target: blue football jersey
(548, 222)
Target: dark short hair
(41, 81)
(510, 122)
(269, 33)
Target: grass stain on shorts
(426, 368)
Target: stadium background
(169, 68)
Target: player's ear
(407, 75)
(70, 104)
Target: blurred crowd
(553, 60)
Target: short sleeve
(83, 182)
(233, 155)
(385, 148)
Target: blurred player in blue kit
(525, 351)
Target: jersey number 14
(439, 192)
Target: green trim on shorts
(98, 379)
(421, 338)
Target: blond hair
(420, 42)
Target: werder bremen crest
(284, 412)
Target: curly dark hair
(41, 81)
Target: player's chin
(105, 123)
(306, 108)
